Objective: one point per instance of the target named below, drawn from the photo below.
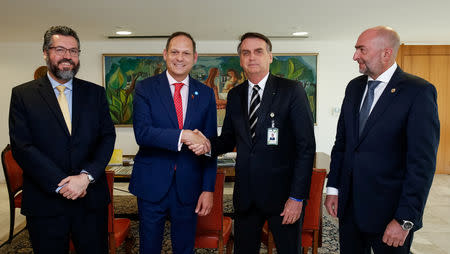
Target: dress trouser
(152, 216)
(87, 229)
(248, 227)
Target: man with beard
(62, 136)
(384, 157)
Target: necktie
(178, 104)
(367, 104)
(254, 106)
(64, 105)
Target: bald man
(384, 156)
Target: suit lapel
(76, 104)
(386, 98)
(192, 104)
(266, 103)
(167, 99)
(244, 109)
(356, 106)
(47, 93)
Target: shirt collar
(261, 83)
(386, 76)
(173, 81)
(68, 84)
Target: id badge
(272, 136)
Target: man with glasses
(62, 136)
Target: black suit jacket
(387, 172)
(47, 153)
(266, 175)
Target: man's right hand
(331, 203)
(199, 148)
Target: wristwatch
(406, 224)
(90, 178)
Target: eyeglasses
(61, 51)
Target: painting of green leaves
(220, 72)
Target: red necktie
(178, 104)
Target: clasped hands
(196, 141)
(74, 187)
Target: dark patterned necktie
(253, 112)
(367, 104)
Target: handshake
(196, 141)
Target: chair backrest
(110, 180)
(214, 220)
(13, 172)
(313, 210)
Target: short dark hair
(60, 30)
(255, 35)
(179, 33)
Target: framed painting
(221, 72)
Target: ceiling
(416, 21)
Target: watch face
(407, 225)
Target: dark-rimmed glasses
(61, 51)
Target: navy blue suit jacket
(156, 130)
(388, 171)
(47, 153)
(267, 175)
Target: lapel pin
(196, 93)
(393, 90)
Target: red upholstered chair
(312, 223)
(214, 230)
(14, 182)
(118, 228)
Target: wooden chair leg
(305, 250)
(220, 245)
(230, 245)
(270, 243)
(315, 247)
(12, 215)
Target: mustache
(66, 61)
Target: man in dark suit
(62, 136)
(168, 179)
(269, 121)
(384, 157)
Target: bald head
(384, 37)
(376, 50)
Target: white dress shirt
(261, 84)
(184, 98)
(385, 77)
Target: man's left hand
(74, 186)
(292, 211)
(205, 203)
(394, 235)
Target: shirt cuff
(179, 141)
(298, 200)
(332, 191)
(59, 188)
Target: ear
(195, 57)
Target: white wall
(335, 68)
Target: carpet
(126, 206)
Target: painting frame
(121, 72)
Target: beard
(64, 74)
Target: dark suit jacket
(267, 175)
(47, 153)
(156, 130)
(391, 167)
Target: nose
(355, 56)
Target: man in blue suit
(384, 156)
(62, 136)
(169, 180)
